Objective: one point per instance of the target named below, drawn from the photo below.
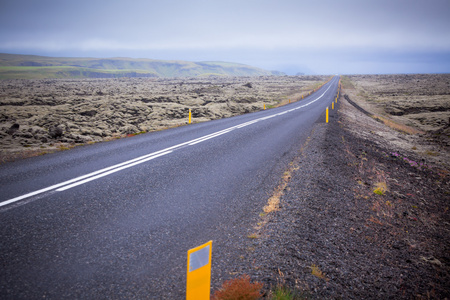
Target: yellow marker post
(326, 116)
(332, 105)
(264, 105)
(198, 280)
(289, 100)
(190, 116)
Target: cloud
(200, 28)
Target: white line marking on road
(209, 137)
(133, 162)
(110, 172)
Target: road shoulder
(357, 219)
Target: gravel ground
(333, 237)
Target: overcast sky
(322, 37)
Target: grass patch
(283, 293)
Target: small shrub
(239, 288)
(380, 188)
(378, 192)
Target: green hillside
(14, 66)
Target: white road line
(209, 137)
(110, 172)
(133, 162)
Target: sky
(292, 36)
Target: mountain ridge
(18, 66)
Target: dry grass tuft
(317, 272)
(399, 127)
(273, 204)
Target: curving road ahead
(115, 219)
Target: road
(115, 219)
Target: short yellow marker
(190, 116)
(289, 100)
(332, 105)
(198, 280)
(264, 106)
(326, 116)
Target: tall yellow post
(190, 116)
(264, 105)
(326, 116)
(198, 280)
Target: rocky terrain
(420, 100)
(40, 116)
(418, 105)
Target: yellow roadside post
(326, 116)
(198, 280)
(264, 105)
(190, 116)
(332, 105)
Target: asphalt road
(115, 219)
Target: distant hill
(14, 66)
